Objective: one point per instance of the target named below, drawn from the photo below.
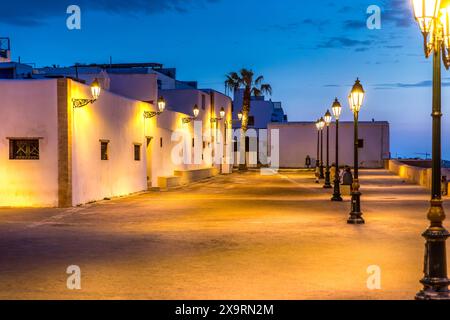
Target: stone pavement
(242, 236)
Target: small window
(251, 121)
(137, 152)
(104, 150)
(24, 149)
(203, 102)
(193, 142)
(161, 142)
(361, 143)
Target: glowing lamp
(356, 97)
(318, 124)
(425, 11)
(328, 118)
(222, 113)
(337, 109)
(322, 123)
(196, 111)
(240, 115)
(96, 89)
(161, 104)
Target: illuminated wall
(70, 170)
(118, 121)
(28, 109)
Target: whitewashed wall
(28, 109)
(119, 120)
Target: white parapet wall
(412, 174)
(414, 171)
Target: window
(251, 121)
(24, 149)
(193, 142)
(203, 102)
(161, 142)
(137, 152)
(104, 150)
(361, 143)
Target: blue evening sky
(310, 51)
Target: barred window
(24, 149)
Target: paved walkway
(243, 236)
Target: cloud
(398, 12)
(421, 84)
(293, 26)
(344, 42)
(32, 12)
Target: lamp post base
(337, 198)
(431, 294)
(355, 219)
(356, 214)
(243, 167)
(435, 280)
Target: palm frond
(256, 92)
(247, 76)
(259, 80)
(233, 82)
(266, 88)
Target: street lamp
(356, 99)
(318, 126)
(328, 119)
(161, 107)
(196, 112)
(337, 110)
(322, 126)
(96, 90)
(434, 23)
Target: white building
(297, 140)
(53, 154)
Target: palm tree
(252, 87)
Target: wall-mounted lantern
(96, 90)
(240, 117)
(222, 116)
(196, 112)
(161, 107)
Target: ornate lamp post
(328, 119)
(322, 126)
(337, 110)
(356, 99)
(434, 23)
(318, 144)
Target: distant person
(308, 162)
(444, 186)
(347, 179)
(317, 174)
(333, 172)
